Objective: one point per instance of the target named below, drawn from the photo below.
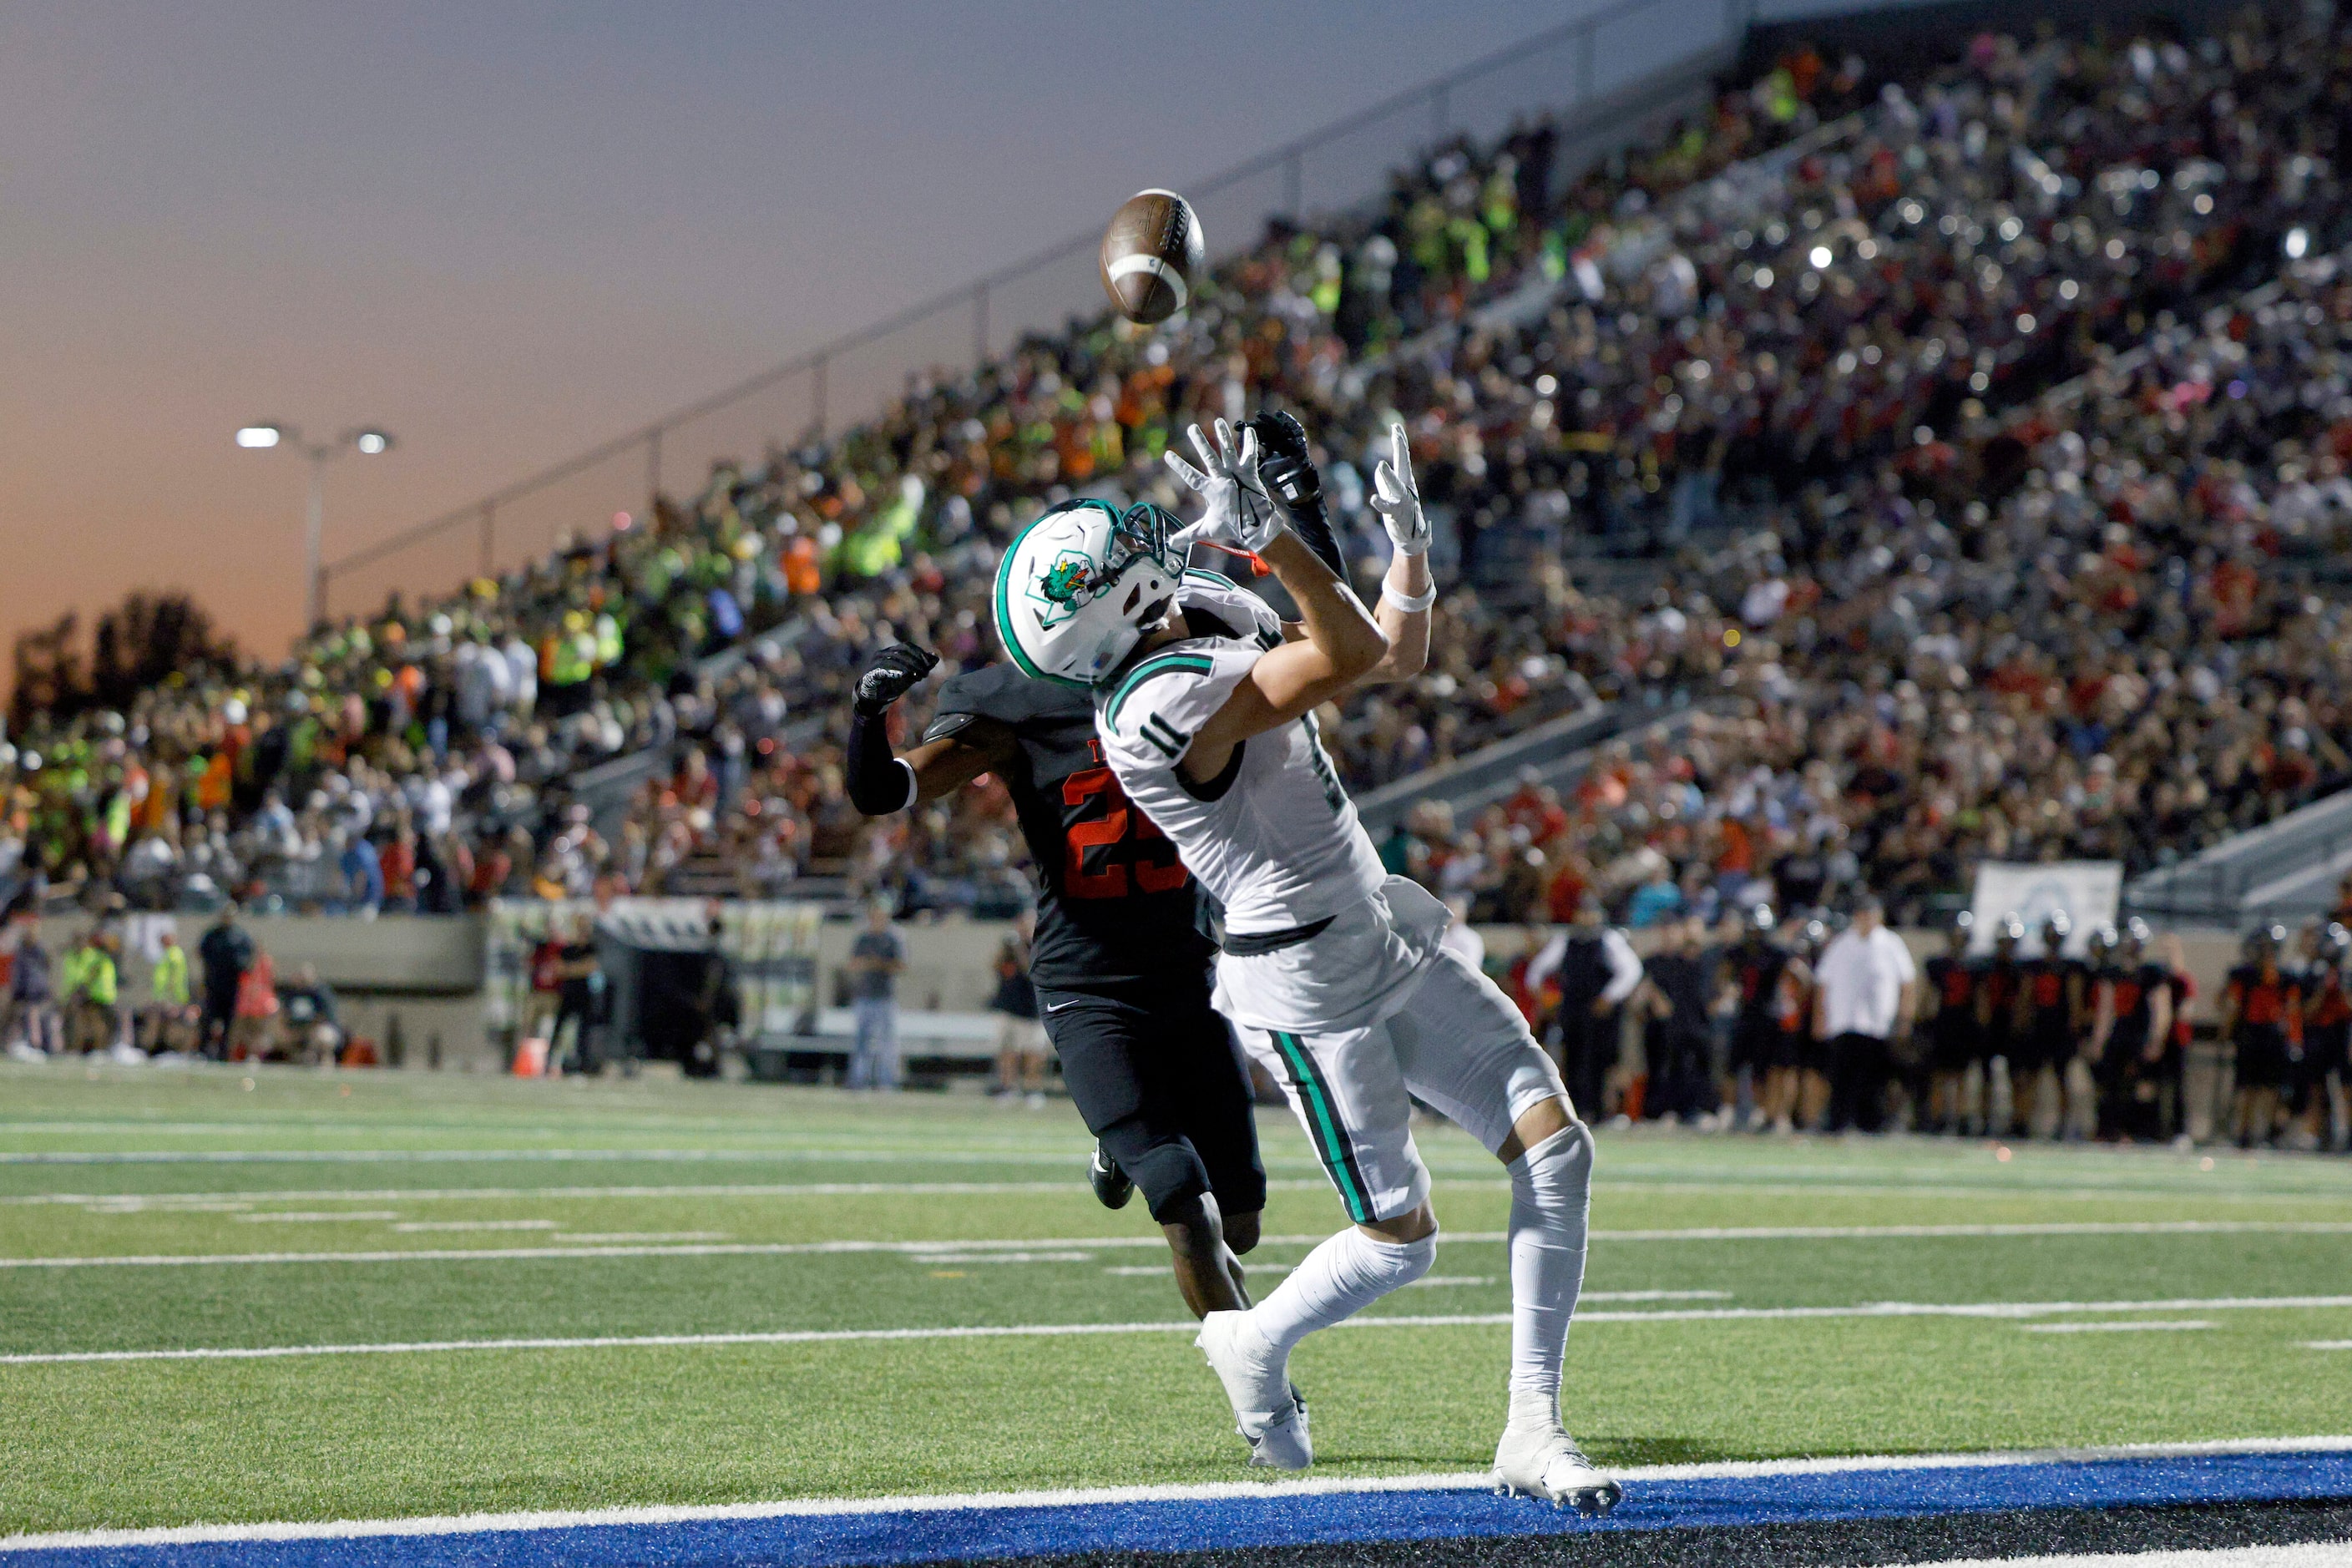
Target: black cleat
(1111, 1185)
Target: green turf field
(413, 1210)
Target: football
(1149, 254)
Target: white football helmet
(1080, 586)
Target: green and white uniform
(1333, 971)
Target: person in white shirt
(1865, 993)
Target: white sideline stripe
(334, 1217)
(2307, 1554)
(2327, 1344)
(1075, 1157)
(130, 1203)
(818, 1507)
(2157, 1327)
(1988, 1309)
(199, 1202)
(411, 1227)
(2039, 1227)
(133, 1202)
(929, 1249)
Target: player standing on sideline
(2131, 1028)
(1334, 970)
(2262, 1015)
(1997, 1025)
(1953, 1031)
(2049, 1007)
(2326, 1037)
(1765, 982)
(1120, 957)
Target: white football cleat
(1268, 1412)
(1545, 1462)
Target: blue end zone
(847, 1540)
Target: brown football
(1150, 254)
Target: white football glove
(1236, 508)
(1394, 498)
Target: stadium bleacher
(1776, 352)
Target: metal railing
(1607, 69)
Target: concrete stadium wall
(949, 968)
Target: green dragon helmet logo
(1066, 588)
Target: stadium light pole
(366, 441)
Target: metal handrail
(1737, 15)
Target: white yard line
(1985, 1310)
(789, 1248)
(1318, 1486)
(2153, 1326)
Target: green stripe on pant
(1331, 1143)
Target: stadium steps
(1553, 752)
(2283, 871)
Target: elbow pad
(879, 782)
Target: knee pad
(1170, 1174)
(1557, 1173)
(1396, 1263)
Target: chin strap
(1257, 566)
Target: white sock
(1552, 1195)
(1347, 1273)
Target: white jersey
(1275, 838)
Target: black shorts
(2326, 1048)
(1954, 1046)
(2262, 1057)
(1160, 1083)
(1761, 1047)
(2039, 1049)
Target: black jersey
(2050, 994)
(1757, 972)
(1682, 979)
(2134, 988)
(1114, 903)
(1952, 980)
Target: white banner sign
(2087, 891)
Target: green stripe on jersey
(1164, 664)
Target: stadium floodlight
(1820, 258)
(367, 440)
(2298, 242)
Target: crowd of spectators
(1782, 349)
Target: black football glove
(1284, 462)
(887, 676)
(1288, 468)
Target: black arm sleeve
(879, 784)
(1314, 530)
